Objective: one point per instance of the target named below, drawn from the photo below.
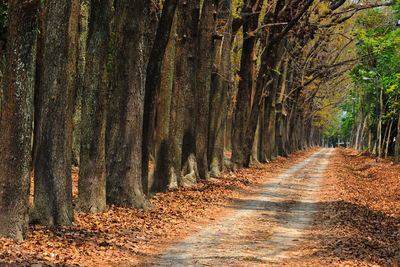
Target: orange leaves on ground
(128, 236)
(358, 223)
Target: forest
(141, 96)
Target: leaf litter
(358, 221)
(129, 236)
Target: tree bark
(272, 59)
(153, 79)
(388, 138)
(203, 79)
(397, 144)
(189, 172)
(125, 113)
(256, 144)
(92, 175)
(16, 118)
(82, 40)
(55, 99)
(243, 98)
(219, 89)
(263, 133)
(162, 116)
(181, 143)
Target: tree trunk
(370, 148)
(388, 138)
(55, 99)
(243, 97)
(256, 144)
(263, 134)
(397, 144)
(83, 33)
(270, 84)
(162, 114)
(357, 134)
(189, 172)
(153, 79)
(16, 118)
(125, 114)
(92, 175)
(270, 134)
(178, 148)
(203, 83)
(219, 89)
(380, 146)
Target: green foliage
(378, 51)
(377, 48)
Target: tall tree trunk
(388, 138)
(55, 99)
(357, 133)
(162, 114)
(16, 118)
(182, 145)
(270, 134)
(362, 134)
(219, 89)
(302, 121)
(152, 23)
(382, 149)
(243, 97)
(397, 143)
(203, 79)
(3, 40)
(153, 79)
(370, 148)
(125, 114)
(263, 133)
(92, 175)
(256, 144)
(189, 170)
(270, 85)
(82, 39)
(171, 174)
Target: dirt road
(261, 229)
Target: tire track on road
(261, 230)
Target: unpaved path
(262, 229)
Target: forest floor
(356, 220)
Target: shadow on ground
(353, 232)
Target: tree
(92, 174)
(162, 115)
(125, 108)
(377, 74)
(203, 83)
(56, 81)
(176, 163)
(243, 98)
(221, 81)
(153, 80)
(16, 118)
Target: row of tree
(373, 103)
(176, 82)
(377, 77)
